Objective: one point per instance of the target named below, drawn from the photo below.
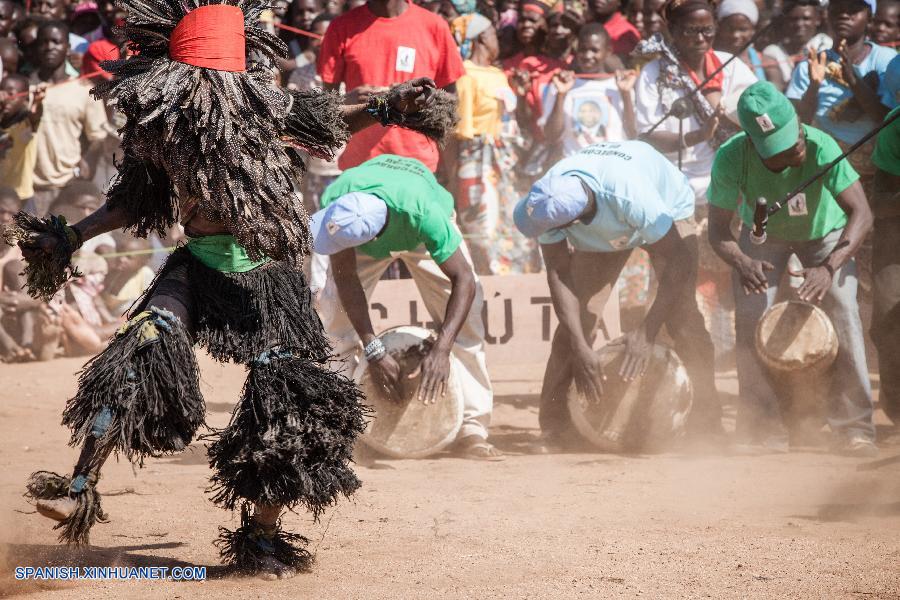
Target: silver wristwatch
(375, 350)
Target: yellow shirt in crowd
(69, 111)
(17, 167)
(131, 290)
(481, 93)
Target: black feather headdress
(225, 140)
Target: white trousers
(434, 286)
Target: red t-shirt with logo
(360, 48)
(622, 33)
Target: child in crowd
(13, 303)
(9, 55)
(736, 26)
(801, 22)
(20, 116)
(580, 111)
(883, 30)
(623, 35)
(128, 274)
(80, 304)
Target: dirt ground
(802, 525)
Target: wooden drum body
(646, 414)
(797, 343)
(409, 428)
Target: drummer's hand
(753, 275)
(386, 373)
(637, 354)
(816, 283)
(589, 375)
(435, 370)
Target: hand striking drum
(389, 208)
(823, 226)
(605, 201)
(208, 138)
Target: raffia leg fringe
(290, 440)
(74, 530)
(244, 314)
(247, 547)
(144, 389)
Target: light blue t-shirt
(639, 195)
(837, 112)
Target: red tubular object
(308, 34)
(211, 37)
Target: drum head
(409, 428)
(794, 336)
(646, 414)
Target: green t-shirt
(420, 211)
(887, 148)
(739, 174)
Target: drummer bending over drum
(823, 226)
(388, 208)
(605, 201)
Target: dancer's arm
(102, 220)
(407, 98)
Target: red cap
(96, 53)
(211, 37)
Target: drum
(406, 427)
(797, 343)
(646, 414)
(796, 338)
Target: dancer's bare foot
(58, 509)
(273, 569)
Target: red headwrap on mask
(211, 37)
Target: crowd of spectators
(536, 80)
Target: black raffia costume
(226, 141)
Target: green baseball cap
(769, 119)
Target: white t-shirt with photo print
(592, 113)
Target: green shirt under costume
(739, 174)
(887, 148)
(420, 211)
(222, 253)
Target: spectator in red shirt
(379, 44)
(623, 34)
(529, 70)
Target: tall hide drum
(647, 414)
(406, 427)
(797, 343)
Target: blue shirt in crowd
(639, 194)
(837, 112)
